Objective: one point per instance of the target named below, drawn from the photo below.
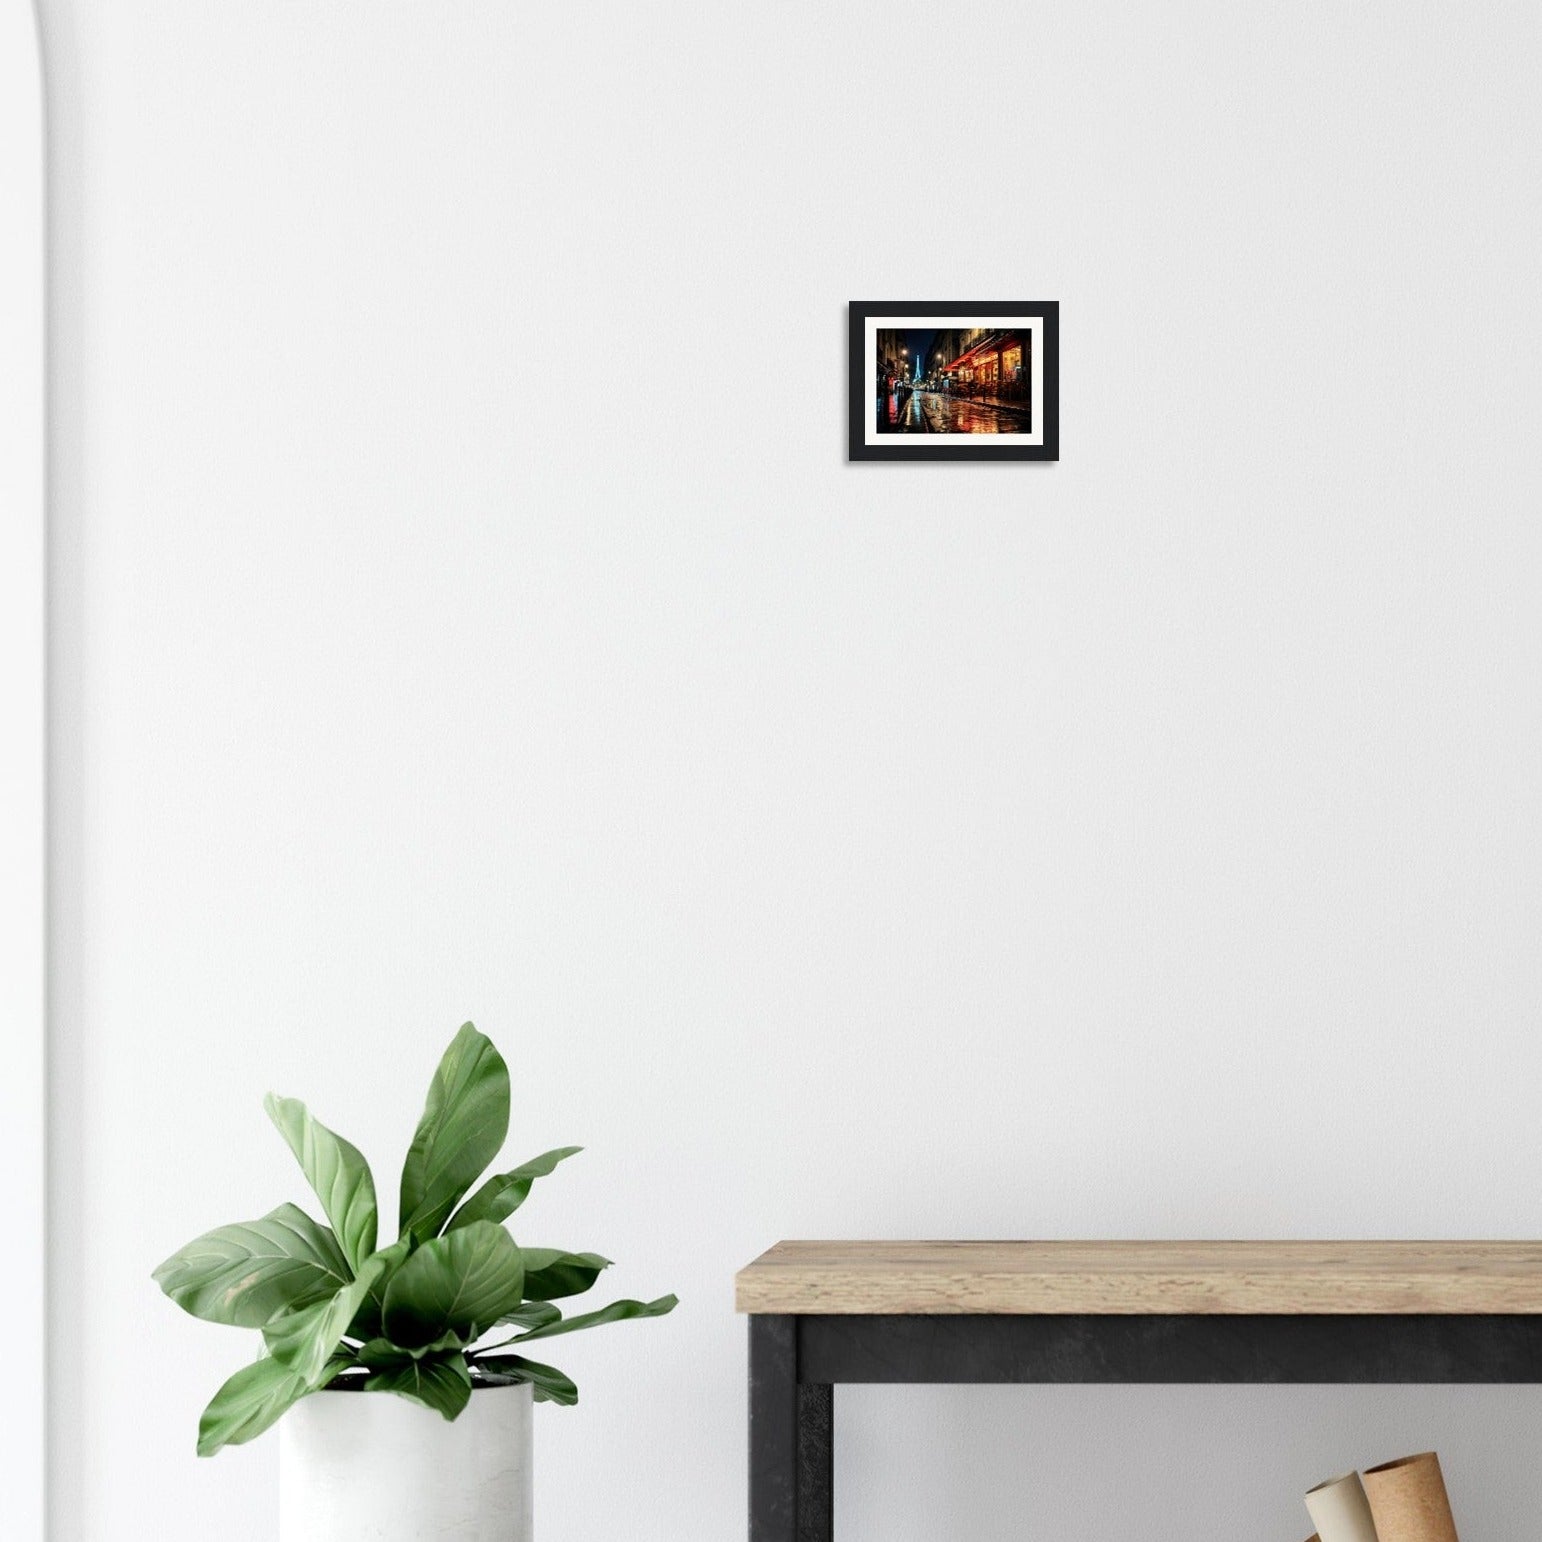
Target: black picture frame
(950, 446)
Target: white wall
(475, 616)
(22, 587)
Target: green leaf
(380, 1355)
(460, 1283)
(549, 1272)
(504, 1193)
(446, 1340)
(551, 1386)
(443, 1384)
(306, 1340)
(245, 1275)
(617, 1311)
(250, 1402)
(335, 1170)
(367, 1321)
(462, 1129)
(532, 1314)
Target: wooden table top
(1293, 1278)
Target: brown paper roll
(1408, 1500)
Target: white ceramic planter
(372, 1467)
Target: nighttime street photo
(966, 380)
(952, 381)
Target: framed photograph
(955, 382)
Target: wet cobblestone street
(941, 412)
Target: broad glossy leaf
(381, 1355)
(445, 1341)
(450, 1339)
(554, 1394)
(462, 1129)
(367, 1322)
(245, 1275)
(532, 1314)
(460, 1283)
(504, 1193)
(306, 1340)
(550, 1272)
(442, 1384)
(250, 1402)
(617, 1311)
(551, 1386)
(336, 1170)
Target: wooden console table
(828, 1312)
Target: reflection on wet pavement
(940, 412)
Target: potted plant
(440, 1318)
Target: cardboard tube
(1408, 1500)
(1339, 1510)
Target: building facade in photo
(982, 361)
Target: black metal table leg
(792, 1455)
(816, 1462)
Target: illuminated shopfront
(994, 365)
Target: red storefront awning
(991, 343)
